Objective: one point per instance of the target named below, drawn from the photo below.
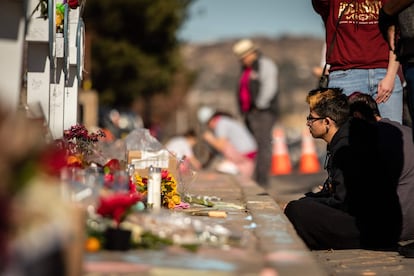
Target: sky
(212, 20)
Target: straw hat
(244, 47)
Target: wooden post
(53, 65)
(38, 55)
(74, 61)
(12, 28)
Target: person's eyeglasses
(313, 119)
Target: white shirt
(180, 147)
(236, 133)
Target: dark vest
(405, 44)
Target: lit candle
(154, 188)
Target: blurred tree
(134, 49)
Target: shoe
(227, 167)
(407, 250)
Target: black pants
(321, 226)
(260, 123)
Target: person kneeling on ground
(358, 205)
(234, 141)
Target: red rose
(112, 165)
(73, 4)
(53, 159)
(116, 205)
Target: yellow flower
(141, 183)
(176, 199)
(171, 205)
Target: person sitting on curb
(233, 140)
(364, 106)
(358, 205)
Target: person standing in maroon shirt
(359, 58)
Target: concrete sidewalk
(269, 245)
(364, 262)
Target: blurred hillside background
(162, 60)
(216, 70)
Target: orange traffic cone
(309, 162)
(280, 160)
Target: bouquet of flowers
(79, 144)
(170, 197)
(117, 205)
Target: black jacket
(333, 192)
(362, 180)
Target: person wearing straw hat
(256, 97)
(358, 56)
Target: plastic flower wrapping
(108, 181)
(80, 144)
(144, 151)
(45, 181)
(126, 208)
(97, 175)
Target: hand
(208, 136)
(385, 88)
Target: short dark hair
(364, 104)
(220, 113)
(190, 133)
(329, 102)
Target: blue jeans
(366, 81)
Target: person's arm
(386, 85)
(321, 7)
(268, 83)
(194, 162)
(393, 7)
(388, 17)
(217, 143)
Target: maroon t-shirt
(359, 43)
